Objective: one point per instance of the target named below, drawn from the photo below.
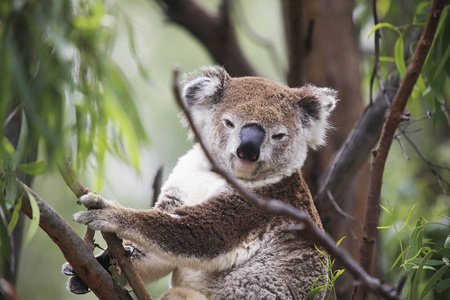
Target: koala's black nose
(252, 137)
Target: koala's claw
(99, 219)
(94, 201)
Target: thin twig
(432, 166)
(307, 227)
(347, 217)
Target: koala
(215, 243)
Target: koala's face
(256, 128)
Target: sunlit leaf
(383, 25)
(385, 209)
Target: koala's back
(271, 257)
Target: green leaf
(315, 291)
(383, 25)
(443, 285)
(15, 214)
(433, 280)
(337, 273)
(34, 168)
(399, 56)
(447, 242)
(420, 268)
(386, 210)
(35, 217)
(340, 241)
(430, 262)
(4, 241)
(408, 218)
(415, 240)
(385, 227)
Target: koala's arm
(188, 235)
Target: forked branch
(114, 244)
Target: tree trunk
(334, 62)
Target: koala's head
(256, 128)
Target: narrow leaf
(433, 280)
(315, 291)
(443, 285)
(15, 214)
(382, 25)
(34, 168)
(399, 56)
(34, 219)
(408, 218)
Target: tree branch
(213, 29)
(74, 249)
(307, 227)
(355, 150)
(395, 117)
(114, 244)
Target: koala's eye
(279, 137)
(228, 123)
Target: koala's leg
(182, 293)
(189, 235)
(149, 267)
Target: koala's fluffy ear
(205, 87)
(316, 105)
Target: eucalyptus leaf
(34, 168)
(433, 280)
(34, 224)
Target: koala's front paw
(103, 214)
(95, 201)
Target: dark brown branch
(71, 178)
(74, 249)
(213, 29)
(295, 41)
(308, 228)
(156, 186)
(114, 244)
(395, 117)
(355, 150)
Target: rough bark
(334, 62)
(293, 17)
